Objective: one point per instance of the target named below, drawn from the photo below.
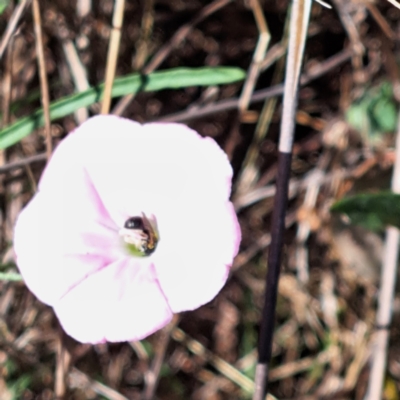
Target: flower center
(140, 235)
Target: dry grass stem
(12, 25)
(298, 33)
(143, 45)
(79, 76)
(351, 25)
(63, 362)
(112, 57)
(386, 294)
(44, 86)
(222, 366)
(77, 379)
(6, 99)
(258, 56)
(152, 376)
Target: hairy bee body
(139, 232)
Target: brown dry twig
(258, 56)
(12, 24)
(44, 86)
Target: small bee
(141, 233)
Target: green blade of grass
(171, 79)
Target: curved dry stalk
(44, 86)
(112, 57)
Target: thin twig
(218, 363)
(80, 380)
(386, 294)
(12, 24)
(146, 29)
(44, 86)
(63, 363)
(153, 373)
(112, 57)
(249, 173)
(78, 73)
(314, 181)
(381, 21)
(299, 18)
(6, 90)
(179, 36)
(7, 86)
(6, 98)
(22, 163)
(349, 25)
(258, 56)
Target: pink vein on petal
(121, 302)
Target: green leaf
(171, 79)
(3, 5)
(373, 211)
(10, 276)
(375, 113)
(384, 115)
(18, 386)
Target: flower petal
(109, 169)
(135, 167)
(58, 225)
(121, 302)
(195, 252)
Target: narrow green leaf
(373, 211)
(171, 79)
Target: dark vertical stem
(274, 262)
